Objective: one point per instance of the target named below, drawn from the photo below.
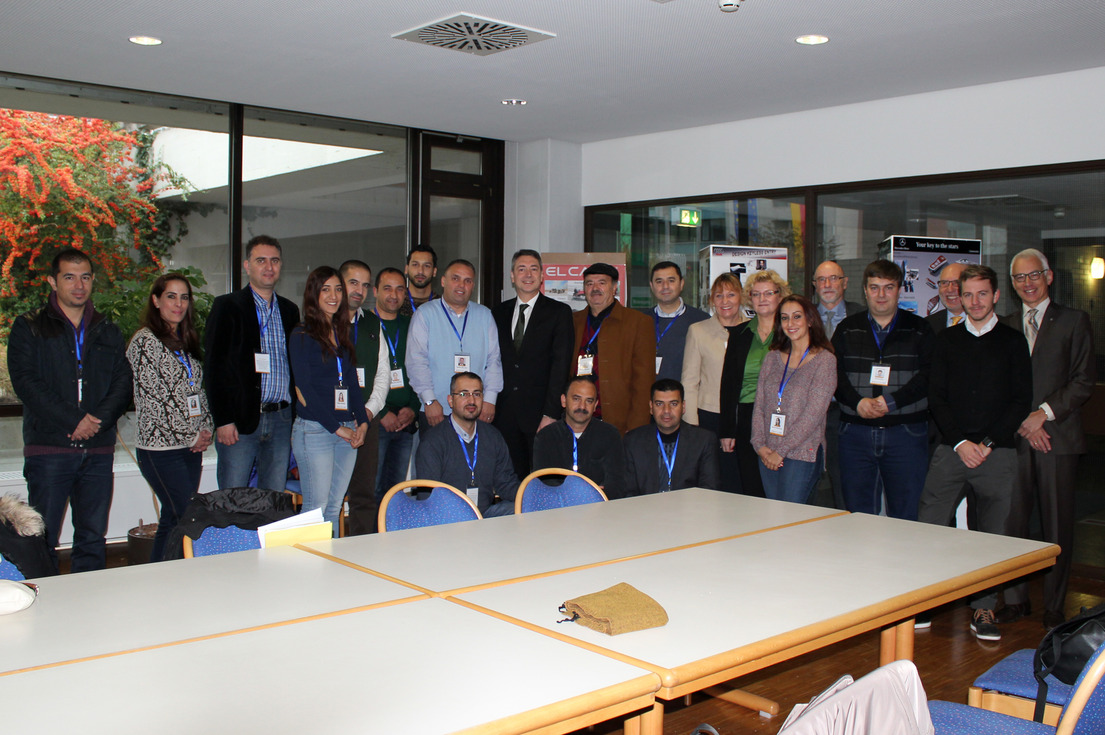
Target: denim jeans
(896, 454)
(794, 481)
(84, 481)
(270, 445)
(174, 475)
(394, 459)
(325, 465)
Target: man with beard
(469, 454)
(421, 271)
(582, 443)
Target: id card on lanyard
(341, 393)
(78, 342)
(660, 335)
(585, 363)
(880, 371)
(193, 399)
(262, 361)
(778, 425)
(393, 346)
(472, 491)
(462, 362)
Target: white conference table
(427, 666)
(742, 604)
(116, 610)
(448, 560)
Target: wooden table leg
(896, 643)
(649, 722)
(754, 702)
(887, 645)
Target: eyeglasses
(468, 394)
(764, 294)
(1032, 276)
(822, 280)
(944, 283)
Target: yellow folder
(301, 534)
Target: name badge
(262, 362)
(80, 390)
(880, 375)
(658, 361)
(461, 363)
(360, 377)
(778, 425)
(397, 378)
(341, 399)
(473, 494)
(585, 365)
(193, 406)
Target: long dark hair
(316, 323)
(818, 340)
(185, 337)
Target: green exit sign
(689, 217)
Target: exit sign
(686, 217)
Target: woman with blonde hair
(740, 374)
(703, 357)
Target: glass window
(456, 160)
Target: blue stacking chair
(215, 540)
(1083, 714)
(1009, 687)
(536, 494)
(433, 504)
(10, 571)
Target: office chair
(535, 494)
(443, 504)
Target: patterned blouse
(161, 390)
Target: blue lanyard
(659, 335)
(393, 345)
(875, 332)
(411, 299)
(337, 356)
(187, 363)
(356, 328)
(664, 457)
(475, 456)
(575, 452)
(78, 342)
(264, 324)
(587, 347)
(785, 380)
(449, 318)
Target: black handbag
(1064, 651)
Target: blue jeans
(269, 446)
(84, 481)
(897, 454)
(394, 458)
(325, 466)
(174, 475)
(794, 481)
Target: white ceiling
(615, 68)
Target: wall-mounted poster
(564, 276)
(921, 260)
(713, 260)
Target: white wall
(1040, 120)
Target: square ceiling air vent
(474, 35)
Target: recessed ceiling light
(145, 40)
(812, 40)
(514, 102)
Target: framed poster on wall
(713, 260)
(921, 260)
(564, 276)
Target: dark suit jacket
(230, 341)
(1064, 371)
(696, 461)
(939, 320)
(533, 379)
(626, 365)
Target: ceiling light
(518, 103)
(145, 40)
(729, 6)
(812, 40)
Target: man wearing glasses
(948, 292)
(1050, 439)
(883, 357)
(830, 283)
(469, 454)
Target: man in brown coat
(616, 346)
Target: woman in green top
(763, 291)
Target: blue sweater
(316, 377)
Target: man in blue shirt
(671, 317)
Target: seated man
(669, 455)
(467, 453)
(581, 443)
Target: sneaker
(984, 627)
(923, 621)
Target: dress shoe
(1053, 618)
(1013, 613)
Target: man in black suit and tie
(1050, 439)
(535, 340)
(948, 291)
(669, 455)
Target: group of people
(367, 372)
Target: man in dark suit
(535, 340)
(948, 291)
(1050, 439)
(671, 455)
(830, 283)
(249, 381)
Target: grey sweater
(805, 403)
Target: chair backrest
(439, 504)
(10, 571)
(535, 494)
(1085, 711)
(215, 540)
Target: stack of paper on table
(298, 529)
